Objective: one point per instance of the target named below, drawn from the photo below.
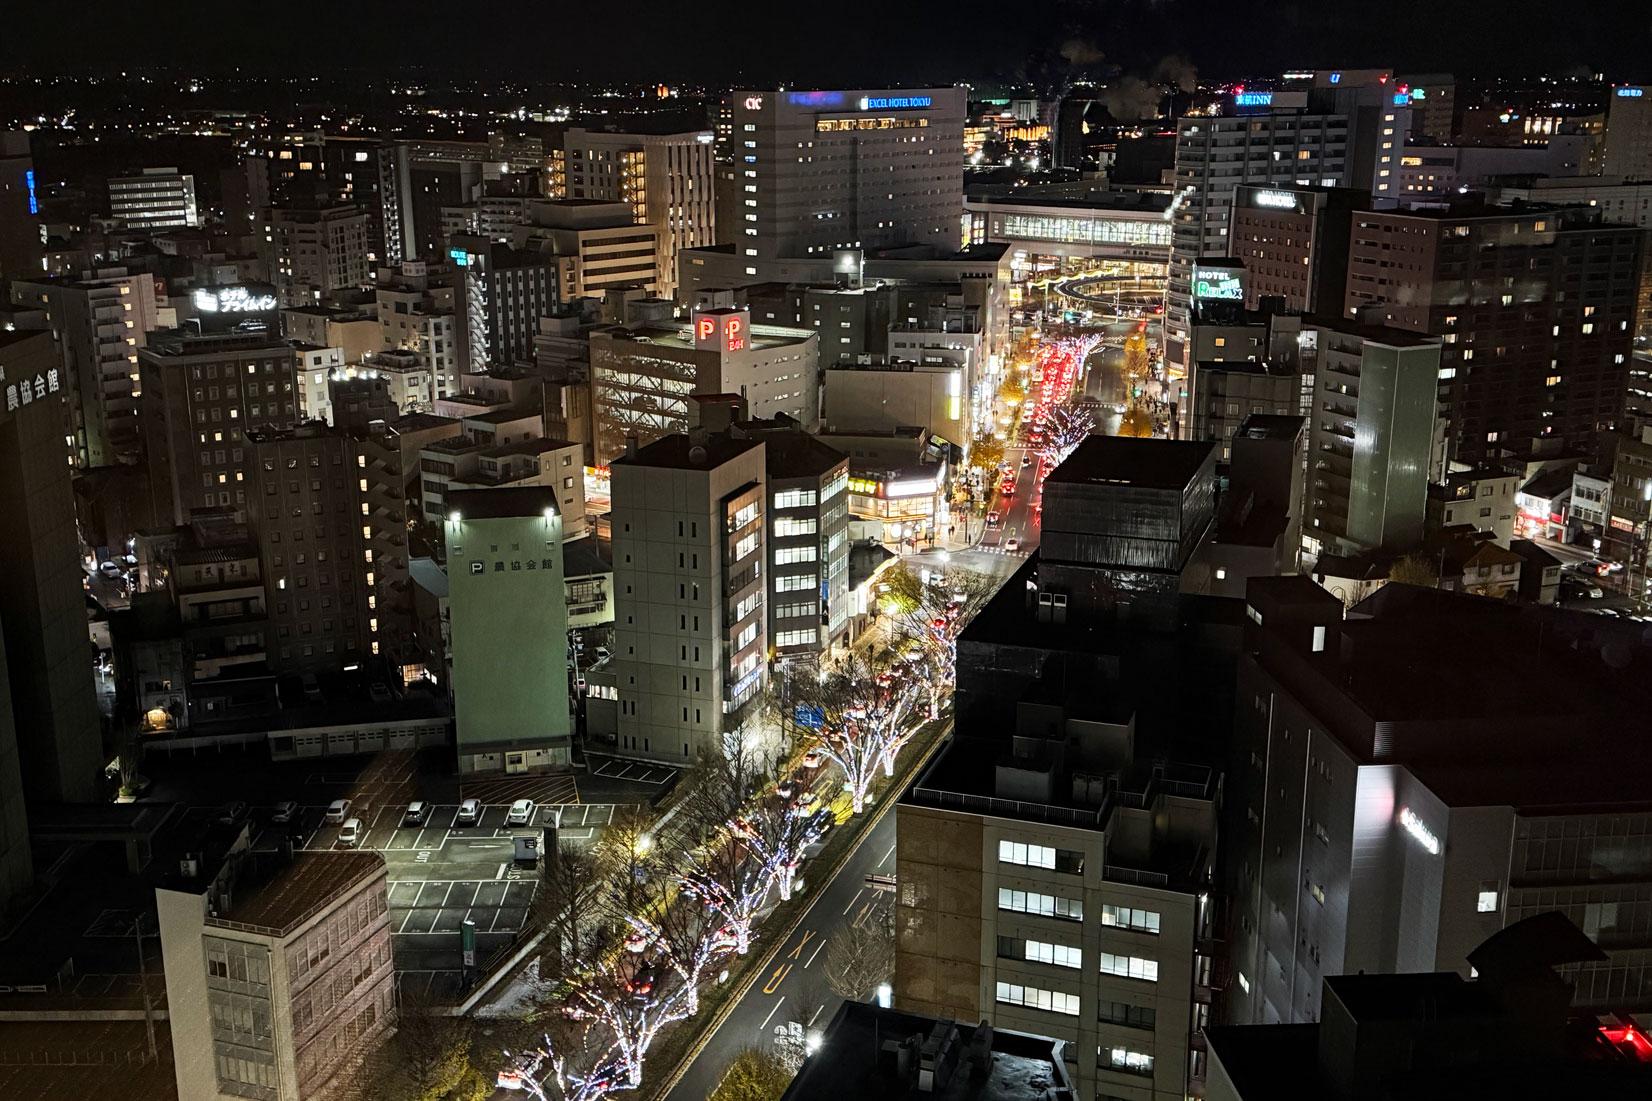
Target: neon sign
(1414, 826)
(734, 334)
(232, 300)
(754, 103)
(28, 183)
(1218, 285)
(1336, 78)
(707, 328)
(459, 256)
(1280, 200)
(894, 103)
(815, 99)
(1402, 99)
(1630, 93)
(1253, 99)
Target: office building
(99, 322)
(509, 620)
(1293, 243)
(847, 169)
(501, 295)
(416, 307)
(869, 1051)
(644, 376)
(353, 330)
(1390, 813)
(1544, 356)
(1056, 887)
(279, 981)
(1214, 156)
(1627, 150)
(883, 395)
(156, 198)
(58, 736)
(598, 245)
(1226, 394)
(305, 510)
(1372, 442)
(690, 619)
(202, 394)
(20, 246)
(1511, 1031)
(417, 179)
(313, 253)
(1259, 520)
(668, 180)
(310, 169)
(316, 367)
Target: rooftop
(859, 1058)
(791, 452)
(301, 890)
(526, 447)
(1121, 460)
(683, 453)
(681, 336)
(496, 504)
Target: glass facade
(1079, 229)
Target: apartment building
(690, 622)
(99, 321)
(1293, 242)
(312, 253)
(598, 246)
(278, 981)
(416, 308)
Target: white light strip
(1414, 826)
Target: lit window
(1486, 901)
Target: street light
(886, 995)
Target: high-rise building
(416, 180)
(643, 377)
(667, 178)
(1390, 813)
(310, 253)
(202, 394)
(1628, 147)
(1535, 309)
(305, 510)
(690, 621)
(503, 292)
(20, 242)
(279, 981)
(99, 321)
(59, 739)
(826, 170)
(156, 198)
(598, 245)
(1053, 887)
(509, 620)
(1293, 242)
(1371, 447)
(1214, 156)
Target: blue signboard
(1631, 93)
(1253, 99)
(812, 717)
(815, 99)
(28, 183)
(894, 103)
(459, 256)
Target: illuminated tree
(1064, 429)
(1136, 422)
(859, 714)
(924, 616)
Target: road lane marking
(776, 979)
(887, 855)
(854, 900)
(500, 874)
(795, 953)
(819, 1009)
(764, 1027)
(811, 958)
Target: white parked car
(337, 810)
(521, 813)
(349, 834)
(470, 812)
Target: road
(796, 975)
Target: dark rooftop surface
(54, 1060)
(1022, 1067)
(496, 504)
(1375, 334)
(794, 453)
(679, 452)
(300, 890)
(1123, 461)
(1272, 426)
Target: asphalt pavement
(796, 975)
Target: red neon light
(733, 337)
(1630, 1039)
(708, 328)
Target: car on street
(521, 813)
(992, 519)
(284, 812)
(1026, 460)
(418, 813)
(231, 813)
(349, 834)
(1012, 544)
(814, 758)
(1579, 588)
(337, 811)
(378, 693)
(470, 812)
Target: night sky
(835, 41)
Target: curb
(669, 1082)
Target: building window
(1123, 1013)
(1130, 967)
(1486, 901)
(1052, 1001)
(1130, 1062)
(1037, 951)
(1126, 917)
(1031, 902)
